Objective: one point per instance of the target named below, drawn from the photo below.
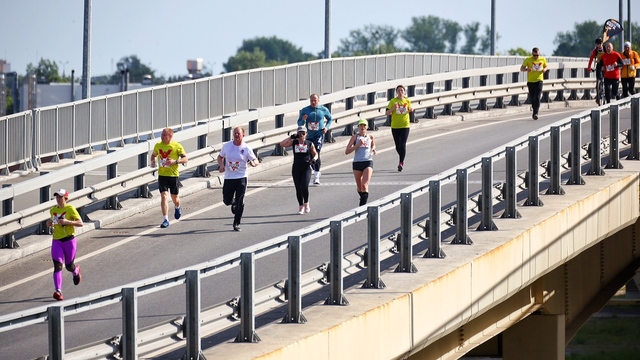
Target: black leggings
(610, 89)
(535, 91)
(400, 137)
(233, 191)
(301, 176)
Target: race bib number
(366, 141)
(536, 67)
(163, 162)
(301, 148)
(401, 109)
(313, 126)
(610, 68)
(234, 165)
(626, 61)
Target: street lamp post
(124, 75)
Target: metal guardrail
(101, 121)
(244, 308)
(13, 221)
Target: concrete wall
(452, 305)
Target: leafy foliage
(372, 39)
(263, 51)
(46, 71)
(136, 70)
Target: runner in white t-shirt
(232, 161)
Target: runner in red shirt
(610, 62)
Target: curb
(101, 218)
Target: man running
(313, 117)
(169, 154)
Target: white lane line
(208, 208)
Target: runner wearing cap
(631, 61)
(304, 156)
(64, 219)
(364, 147)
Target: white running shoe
(307, 208)
(301, 209)
(317, 178)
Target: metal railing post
(55, 315)
(596, 157)
(465, 107)
(486, 197)
(373, 250)
(192, 317)
(575, 176)
(411, 92)
(634, 131)
(253, 124)
(559, 93)
(448, 86)
(348, 105)
(336, 291)
(545, 94)
(201, 170)
(279, 150)
(460, 216)
(45, 195)
(112, 172)
(143, 190)
(390, 95)
(574, 93)
(428, 113)
(294, 283)
(328, 138)
(8, 240)
(226, 130)
(435, 237)
(515, 101)
(128, 344)
(247, 303)
(614, 138)
(371, 99)
(78, 184)
(404, 241)
(510, 198)
(554, 163)
(499, 100)
(586, 95)
(482, 104)
(533, 175)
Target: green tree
(485, 41)
(519, 52)
(276, 50)
(578, 42)
(372, 39)
(46, 71)
(432, 34)
(245, 60)
(470, 32)
(136, 70)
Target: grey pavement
(132, 206)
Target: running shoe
(77, 278)
(165, 224)
(400, 166)
(535, 116)
(177, 213)
(307, 208)
(236, 227)
(301, 209)
(317, 178)
(58, 295)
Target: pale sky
(165, 34)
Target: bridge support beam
(548, 343)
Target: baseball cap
(627, 44)
(599, 41)
(302, 129)
(363, 122)
(62, 192)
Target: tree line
(425, 34)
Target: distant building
(5, 67)
(60, 93)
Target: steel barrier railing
(251, 302)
